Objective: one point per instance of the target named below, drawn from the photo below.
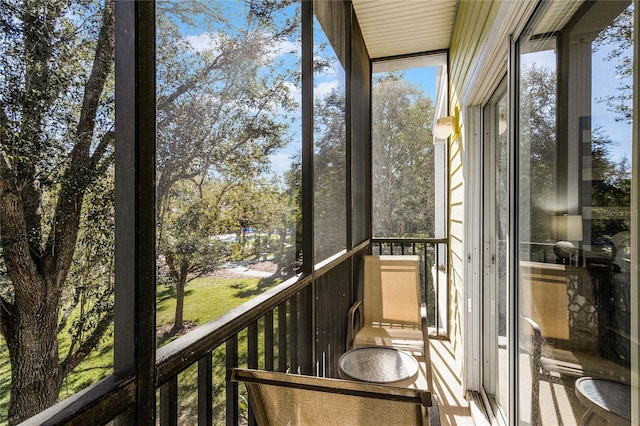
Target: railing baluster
(436, 289)
(232, 409)
(252, 345)
(282, 337)
(252, 360)
(293, 342)
(169, 403)
(205, 390)
(307, 334)
(268, 341)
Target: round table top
(378, 364)
(605, 397)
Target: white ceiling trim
(405, 27)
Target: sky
(425, 78)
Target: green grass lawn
(205, 299)
(208, 298)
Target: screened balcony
(196, 201)
(190, 187)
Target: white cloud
(285, 47)
(207, 41)
(203, 42)
(324, 88)
(333, 70)
(295, 91)
(280, 162)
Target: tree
(610, 190)
(293, 193)
(619, 35)
(189, 244)
(224, 105)
(264, 208)
(403, 163)
(330, 174)
(538, 150)
(56, 137)
(611, 183)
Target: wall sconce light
(502, 124)
(449, 126)
(444, 127)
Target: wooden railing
(433, 275)
(298, 326)
(273, 331)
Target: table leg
(586, 417)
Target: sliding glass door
(575, 224)
(495, 366)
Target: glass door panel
(495, 365)
(574, 212)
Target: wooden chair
(389, 314)
(292, 399)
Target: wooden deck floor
(454, 408)
(558, 404)
(447, 386)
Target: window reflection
(574, 209)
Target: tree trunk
(180, 276)
(33, 349)
(178, 323)
(38, 270)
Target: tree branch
(14, 241)
(68, 311)
(89, 344)
(163, 102)
(80, 174)
(107, 139)
(6, 315)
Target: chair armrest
(351, 331)
(427, 352)
(537, 342)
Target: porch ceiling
(404, 27)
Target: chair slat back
(392, 290)
(290, 399)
